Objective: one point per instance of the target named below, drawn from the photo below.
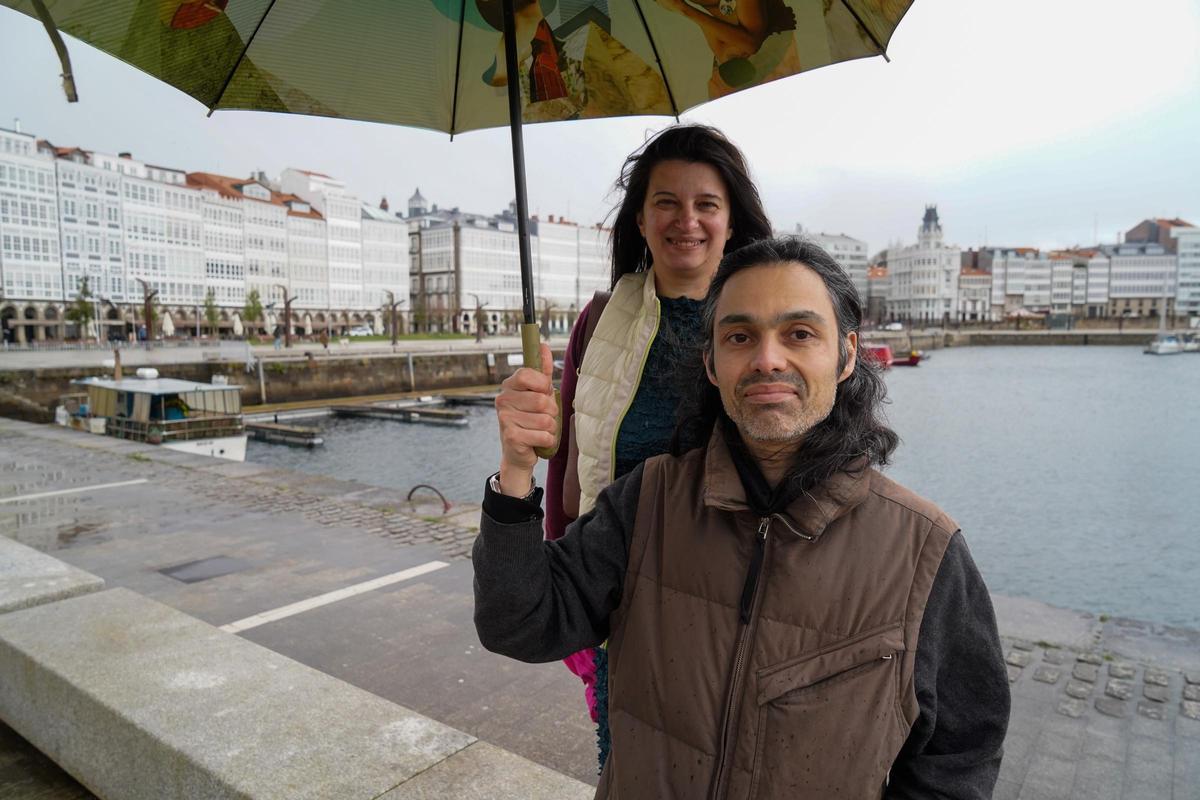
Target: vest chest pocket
(828, 722)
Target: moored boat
(202, 418)
(1165, 344)
(883, 356)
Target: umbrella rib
(64, 57)
(867, 30)
(661, 69)
(462, 18)
(241, 57)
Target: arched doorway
(54, 329)
(8, 315)
(29, 332)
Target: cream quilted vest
(609, 377)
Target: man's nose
(769, 356)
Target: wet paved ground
(224, 541)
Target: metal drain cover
(205, 568)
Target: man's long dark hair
(854, 435)
(698, 144)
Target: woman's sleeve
(557, 519)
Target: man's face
(775, 353)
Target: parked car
(361, 330)
(894, 326)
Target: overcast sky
(1028, 122)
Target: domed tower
(417, 205)
(930, 234)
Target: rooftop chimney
(383, 204)
(17, 124)
(124, 155)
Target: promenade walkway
(301, 565)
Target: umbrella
(168, 326)
(446, 64)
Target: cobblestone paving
(1089, 726)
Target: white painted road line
(72, 491)
(331, 597)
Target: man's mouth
(768, 393)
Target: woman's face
(685, 218)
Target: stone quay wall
(31, 395)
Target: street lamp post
(393, 304)
(147, 297)
(287, 315)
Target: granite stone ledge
(140, 701)
(485, 772)
(30, 578)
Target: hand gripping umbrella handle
(531, 348)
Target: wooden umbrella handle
(531, 349)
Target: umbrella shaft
(518, 148)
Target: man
(782, 620)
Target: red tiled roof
(969, 272)
(223, 185)
(876, 272)
(284, 199)
(231, 188)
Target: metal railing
(202, 426)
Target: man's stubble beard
(776, 424)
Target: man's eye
(737, 338)
(801, 335)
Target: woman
(688, 198)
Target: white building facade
(342, 213)
(266, 242)
(924, 277)
(975, 296)
(164, 235)
(385, 261)
(472, 259)
(851, 253)
(90, 220)
(224, 249)
(29, 229)
(1142, 280)
(1187, 298)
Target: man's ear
(851, 355)
(708, 368)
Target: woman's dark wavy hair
(698, 144)
(854, 435)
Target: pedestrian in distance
(687, 198)
(782, 620)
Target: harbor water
(1073, 471)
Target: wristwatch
(494, 484)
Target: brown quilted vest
(814, 697)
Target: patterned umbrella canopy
(440, 64)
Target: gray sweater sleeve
(953, 751)
(539, 600)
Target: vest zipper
(750, 589)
